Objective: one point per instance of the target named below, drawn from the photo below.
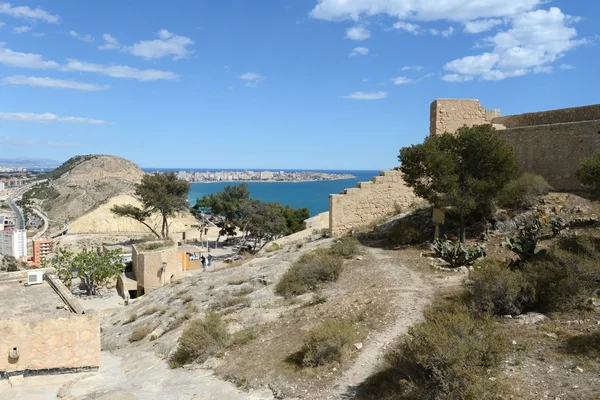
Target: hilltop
(84, 188)
(85, 182)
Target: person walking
(209, 259)
(203, 262)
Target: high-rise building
(41, 248)
(13, 242)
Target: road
(43, 216)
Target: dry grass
(200, 340)
(140, 333)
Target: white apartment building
(2, 186)
(14, 243)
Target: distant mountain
(29, 162)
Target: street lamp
(74, 273)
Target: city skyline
(319, 84)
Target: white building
(265, 175)
(14, 243)
(2, 186)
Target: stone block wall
(554, 151)
(548, 143)
(51, 344)
(368, 202)
(565, 115)
(447, 115)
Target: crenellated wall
(368, 202)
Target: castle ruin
(547, 143)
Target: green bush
(589, 172)
(346, 247)
(457, 254)
(327, 342)
(201, 339)
(311, 269)
(404, 233)
(499, 290)
(567, 275)
(523, 192)
(139, 333)
(450, 355)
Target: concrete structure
(13, 242)
(43, 329)
(368, 202)
(2, 186)
(548, 143)
(41, 248)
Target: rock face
(89, 182)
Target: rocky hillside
(86, 182)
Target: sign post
(437, 218)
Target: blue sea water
(313, 195)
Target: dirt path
(412, 294)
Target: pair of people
(206, 261)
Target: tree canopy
(162, 194)
(589, 173)
(256, 220)
(461, 172)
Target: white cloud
(567, 66)
(252, 79)
(457, 78)
(365, 79)
(48, 118)
(24, 60)
(422, 10)
(359, 51)
(543, 70)
(448, 32)
(167, 44)
(2, 24)
(84, 38)
(119, 71)
(110, 43)
(366, 96)
(21, 29)
(412, 68)
(535, 40)
(358, 33)
(38, 34)
(401, 80)
(481, 25)
(408, 27)
(52, 83)
(29, 13)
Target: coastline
(274, 181)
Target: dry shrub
(450, 355)
(567, 275)
(312, 268)
(498, 290)
(523, 192)
(243, 337)
(200, 340)
(130, 318)
(327, 343)
(346, 247)
(154, 309)
(139, 333)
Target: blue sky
(321, 84)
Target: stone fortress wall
(548, 143)
(368, 202)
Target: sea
(312, 195)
